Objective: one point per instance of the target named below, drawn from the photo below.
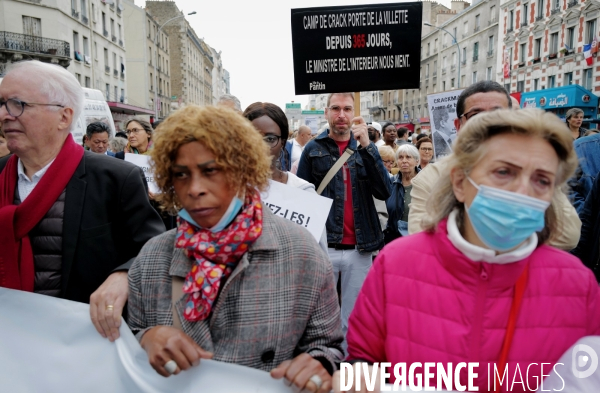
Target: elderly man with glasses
(482, 97)
(353, 227)
(72, 221)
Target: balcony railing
(553, 55)
(539, 18)
(29, 43)
(105, 33)
(555, 11)
(572, 3)
(84, 19)
(107, 69)
(74, 13)
(120, 42)
(492, 21)
(434, 73)
(452, 67)
(463, 62)
(114, 38)
(524, 24)
(116, 73)
(509, 30)
(536, 60)
(476, 29)
(122, 75)
(475, 58)
(490, 53)
(119, 10)
(112, 6)
(443, 70)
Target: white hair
(56, 83)
(408, 148)
(231, 98)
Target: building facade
(542, 42)
(190, 57)
(148, 61)
(84, 36)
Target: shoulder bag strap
(334, 169)
(176, 293)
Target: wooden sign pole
(357, 104)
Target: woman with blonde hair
(481, 284)
(232, 282)
(388, 157)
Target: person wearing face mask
(272, 124)
(233, 282)
(482, 276)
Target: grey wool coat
(279, 302)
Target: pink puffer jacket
(424, 301)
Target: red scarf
(16, 256)
(215, 255)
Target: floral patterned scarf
(215, 255)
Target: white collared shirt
(480, 254)
(27, 185)
(297, 150)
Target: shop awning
(127, 109)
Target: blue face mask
(502, 219)
(234, 207)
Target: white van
(95, 109)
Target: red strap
(512, 321)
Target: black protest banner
(357, 48)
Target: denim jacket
(395, 203)
(588, 152)
(369, 179)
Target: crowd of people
(482, 256)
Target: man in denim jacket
(353, 228)
(588, 152)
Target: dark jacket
(286, 156)
(107, 220)
(369, 179)
(588, 153)
(395, 207)
(588, 249)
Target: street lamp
(455, 41)
(156, 60)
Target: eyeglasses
(134, 131)
(426, 149)
(271, 140)
(16, 107)
(470, 114)
(388, 162)
(337, 109)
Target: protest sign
(144, 162)
(306, 209)
(50, 345)
(442, 112)
(357, 48)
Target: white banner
(143, 162)
(306, 209)
(442, 112)
(50, 345)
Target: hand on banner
(106, 305)
(350, 380)
(300, 374)
(166, 343)
(359, 129)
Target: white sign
(143, 162)
(312, 122)
(442, 112)
(50, 345)
(293, 109)
(305, 208)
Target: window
(525, 14)
(434, 67)
(76, 43)
(112, 27)
(95, 51)
(78, 76)
(536, 84)
(443, 85)
(428, 48)
(119, 31)
(453, 58)
(590, 31)
(104, 23)
(553, 44)
(475, 51)
(464, 55)
(427, 71)
(488, 74)
(452, 83)
(435, 46)
(466, 28)
(122, 64)
(474, 77)
(115, 61)
(493, 13)
(491, 45)
(444, 62)
(477, 22)
(551, 81)
(570, 41)
(556, 5)
(455, 34)
(151, 82)
(83, 8)
(507, 87)
(523, 54)
(74, 5)
(86, 50)
(463, 80)
(32, 26)
(88, 82)
(116, 93)
(93, 12)
(587, 78)
(122, 97)
(107, 92)
(511, 18)
(537, 49)
(521, 86)
(106, 60)
(540, 13)
(568, 79)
